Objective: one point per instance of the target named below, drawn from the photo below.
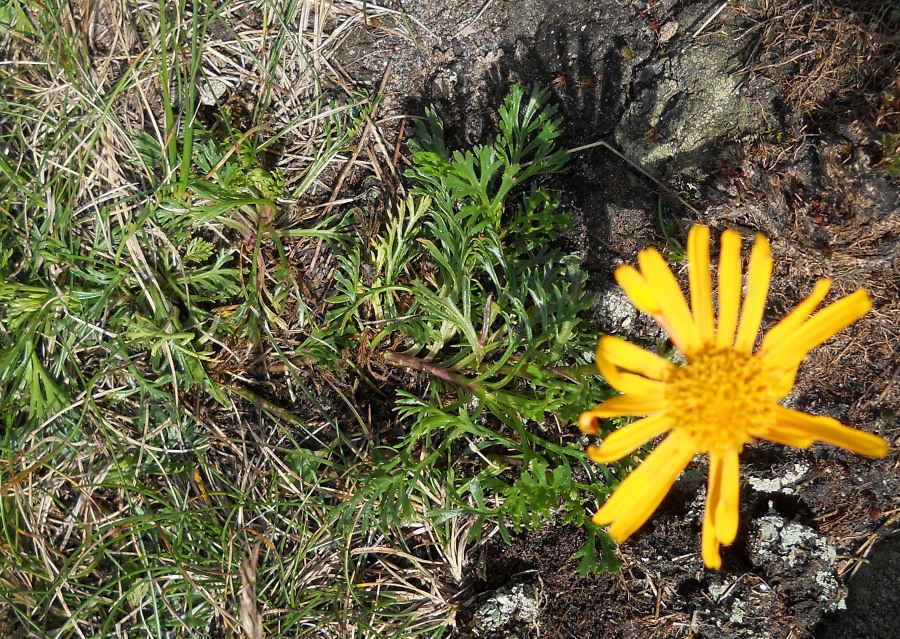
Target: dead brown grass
(825, 52)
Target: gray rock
(506, 610)
(798, 555)
(688, 98)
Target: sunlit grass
(132, 485)
(184, 326)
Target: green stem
(571, 373)
(171, 133)
(401, 359)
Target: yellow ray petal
(783, 382)
(784, 330)
(625, 405)
(831, 431)
(648, 490)
(793, 349)
(714, 486)
(785, 436)
(728, 509)
(588, 424)
(629, 382)
(648, 472)
(673, 307)
(625, 440)
(709, 544)
(759, 273)
(729, 287)
(632, 519)
(701, 285)
(637, 289)
(634, 358)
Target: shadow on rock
(873, 607)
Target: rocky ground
(776, 117)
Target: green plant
(890, 154)
(468, 286)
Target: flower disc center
(719, 398)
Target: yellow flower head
(724, 396)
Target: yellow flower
(725, 396)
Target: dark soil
(756, 117)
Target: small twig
(251, 621)
(395, 12)
(802, 54)
(636, 167)
(467, 27)
(367, 131)
(890, 383)
(486, 320)
(386, 320)
(235, 148)
(281, 413)
(399, 141)
(710, 19)
(21, 477)
(862, 554)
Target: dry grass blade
(251, 621)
